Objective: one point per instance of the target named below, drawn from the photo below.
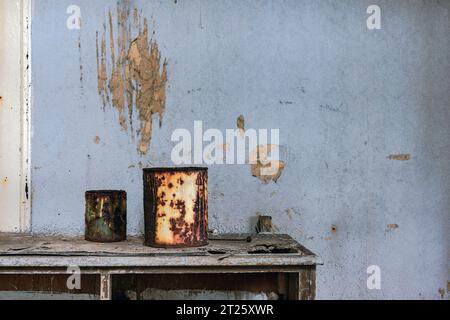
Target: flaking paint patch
(97, 140)
(137, 80)
(392, 226)
(102, 77)
(240, 122)
(264, 169)
(400, 157)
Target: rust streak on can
(106, 216)
(176, 207)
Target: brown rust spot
(400, 157)
(137, 80)
(333, 229)
(258, 169)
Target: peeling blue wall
(354, 97)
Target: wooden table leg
(105, 286)
(307, 284)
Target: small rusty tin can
(106, 216)
(176, 207)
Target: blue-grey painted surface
(354, 96)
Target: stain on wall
(136, 81)
(333, 229)
(262, 167)
(400, 157)
(240, 122)
(392, 226)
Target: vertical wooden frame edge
(26, 101)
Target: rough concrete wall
(363, 118)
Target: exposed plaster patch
(392, 226)
(400, 157)
(136, 81)
(258, 169)
(264, 169)
(240, 122)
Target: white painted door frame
(15, 103)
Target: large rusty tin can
(176, 207)
(106, 216)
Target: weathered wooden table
(268, 263)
